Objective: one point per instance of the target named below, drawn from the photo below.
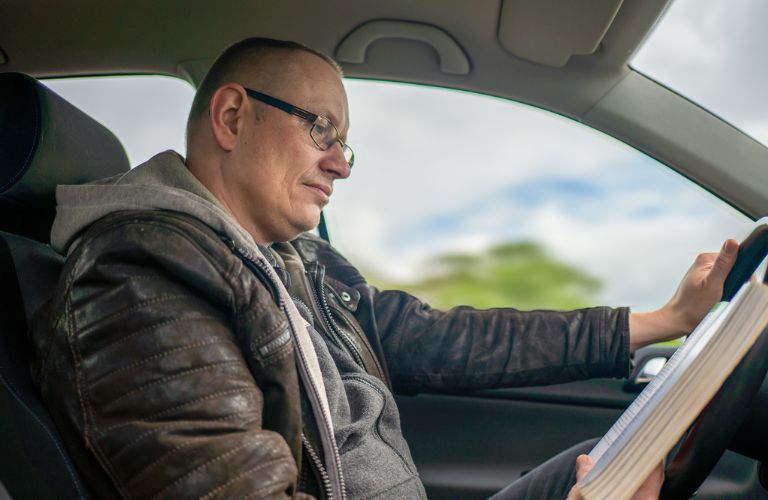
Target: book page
(656, 391)
(643, 439)
(710, 323)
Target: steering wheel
(716, 426)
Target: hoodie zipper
(318, 290)
(313, 456)
(313, 390)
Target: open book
(666, 408)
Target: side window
(147, 113)
(467, 199)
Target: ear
(226, 111)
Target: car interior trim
(550, 32)
(354, 47)
(675, 131)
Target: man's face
(281, 179)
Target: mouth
(323, 189)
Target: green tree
(519, 275)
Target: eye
(323, 133)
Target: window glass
(468, 199)
(147, 113)
(711, 52)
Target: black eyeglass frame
(304, 115)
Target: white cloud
(640, 262)
(410, 140)
(428, 154)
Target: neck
(209, 174)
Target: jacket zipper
(350, 325)
(319, 466)
(319, 294)
(317, 312)
(250, 262)
(313, 391)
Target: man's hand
(700, 289)
(649, 490)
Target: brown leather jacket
(170, 374)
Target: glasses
(323, 132)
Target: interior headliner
(84, 37)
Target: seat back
(44, 141)
(33, 463)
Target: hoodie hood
(161, 183)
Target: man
(199, 344)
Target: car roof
(174, 37)
(568, 57)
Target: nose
(335, 163)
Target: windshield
(711, 52)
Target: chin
(312, 218)
(305, 224)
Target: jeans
(551, 480)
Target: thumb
(725, 260)
(583, 465)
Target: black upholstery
(44, 141)
(33, 463)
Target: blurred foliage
(672, 343)
(519, 275)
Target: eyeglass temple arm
(279, 104)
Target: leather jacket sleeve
(144, 370)
(466, 349)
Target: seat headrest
(46, 141)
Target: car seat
(44, 141)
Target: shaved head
(262, 162)
(262, 63)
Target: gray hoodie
(357, 416)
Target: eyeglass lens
(325, 135)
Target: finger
(658, 473)
(651, 487)
(575, 493)
(725, 260)
(583, 465)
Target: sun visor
(549, 32)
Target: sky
(445, 171)
(496, 171)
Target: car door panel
(470, 446)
